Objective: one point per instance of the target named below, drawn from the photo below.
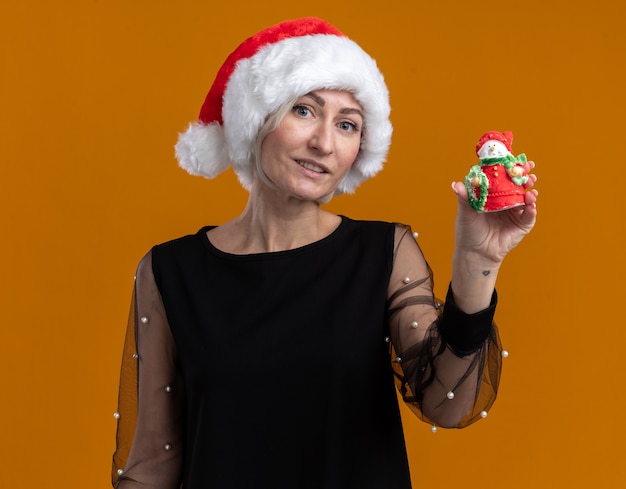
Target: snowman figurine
(497, 182)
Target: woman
(262, 352)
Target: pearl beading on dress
(414, 325)
(168, 388)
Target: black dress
(273, 370)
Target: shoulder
(182, 244)
(368, 226)
(395, 236)
(375, 227)
(374, 235)
(177, 250)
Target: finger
(530, 197)
(530, 208)
(532, 179)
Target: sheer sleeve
(150, 413)
(446, 363)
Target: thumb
(459, 189)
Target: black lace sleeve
(447, 363)
(150, 414)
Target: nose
(322, 138)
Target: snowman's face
(493, 149)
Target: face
(314, 146)
(493, 149)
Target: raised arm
(448, 379)
(150, 414)
(447, 358)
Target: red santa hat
(505, 137)
(267, 70)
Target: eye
(348, 126)
(302, 110)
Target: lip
(314, 163)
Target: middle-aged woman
(262, 353)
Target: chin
(319, 195)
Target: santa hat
(505, 137)
(267, 70)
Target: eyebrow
(347, 110)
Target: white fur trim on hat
(273, 76)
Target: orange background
(93, 94)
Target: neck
(272, 222)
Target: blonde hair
(271, 123)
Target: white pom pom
(201, 150)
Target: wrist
(464, 332)
(475, 260)
(473, 280)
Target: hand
(492, 235)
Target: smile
(311, 166)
